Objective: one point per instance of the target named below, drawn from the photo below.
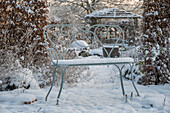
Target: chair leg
(121, 79)
(61, 86)
(52, 83)
(131, 67)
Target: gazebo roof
(112, 13)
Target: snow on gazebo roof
(112, 13)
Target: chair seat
(94, 61)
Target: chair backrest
(60, 37)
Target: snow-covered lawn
(101, 93)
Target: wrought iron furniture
(59, 38)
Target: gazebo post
(136, 22)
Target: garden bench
(58, 39)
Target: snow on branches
(155, 42)
(21, 24)
(21, 32)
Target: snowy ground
(99, 94)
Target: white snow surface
(95, 60)
(101, 93)
(80, 45)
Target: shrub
(155, 49)
(21, 34)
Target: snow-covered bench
(60, 37)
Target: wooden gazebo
(110, 13)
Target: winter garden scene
(84, 56)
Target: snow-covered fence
(59, 39)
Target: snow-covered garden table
(60, 37)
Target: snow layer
(80, 45)
(95, 61)
(101, 93)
